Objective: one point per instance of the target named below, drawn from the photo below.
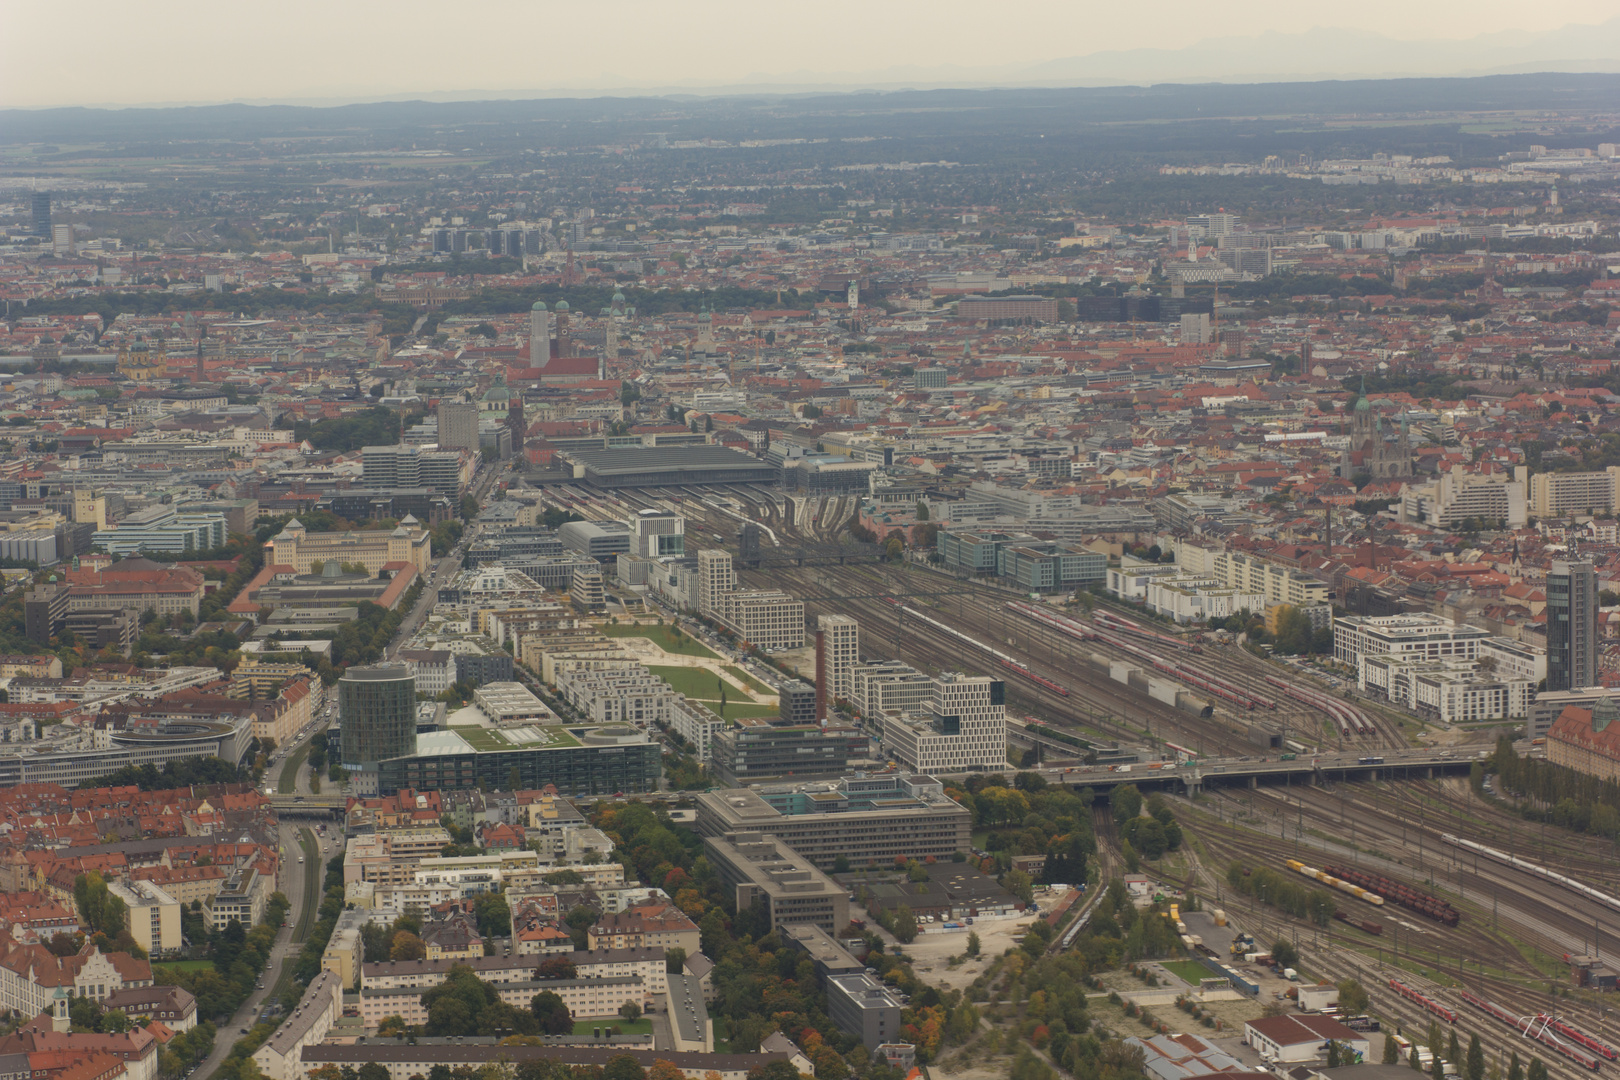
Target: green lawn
(749, 681)
(660, 636)
(182, 965)
(640, 1027)
(1189, 970)
(700, 683)
(736, 710)
(288, 784)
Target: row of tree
(1557, 793)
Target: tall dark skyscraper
(1572, 603)
(377, 708)
(42, 214)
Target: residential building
(698, 725)
(759, 866)
(1570, 494)
(173, 1006)
(241, 897)
(646, 926)
(433, 669)
(1572, 640)
(153, 915)
(344, 949)
(403, 1059)
(1427, 637)
(1450, 691)
(281, 1056)
(1458, 496)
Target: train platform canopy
(666, 466)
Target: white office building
(962, 729)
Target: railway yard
(1512, 924)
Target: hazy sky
(114, 52)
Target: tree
(1515, 1067)
(674, 960)
(1454, 1049)
(922, 510)
(631, 1011)
(1284, 953)
(973, 943)
(551, 1013)
(1412, 1060)
(1353, 999)
(407, 946)
(556, 967)
(1476, 1059)
(776, 1070)
(623, 1067)
(1392, 1053)
(904, 925)
(371, 1070)
(1334, 1057)
(1537, 1070)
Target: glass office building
(377, 711)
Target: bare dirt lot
(930, 953)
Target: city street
(295, 882)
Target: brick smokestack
(821, 675)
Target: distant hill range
(959, 111)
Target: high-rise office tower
(843, 654)
(377, 709)
(1572, 603)
(458, 426)
(42, 214)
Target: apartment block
(1428, 637)
(1275, 583)
(154, 915)
(1568, 494)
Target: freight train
(1334, 882)
(1531, 868)
(1361, 924)
(1396, 892)
(1532, 1030)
